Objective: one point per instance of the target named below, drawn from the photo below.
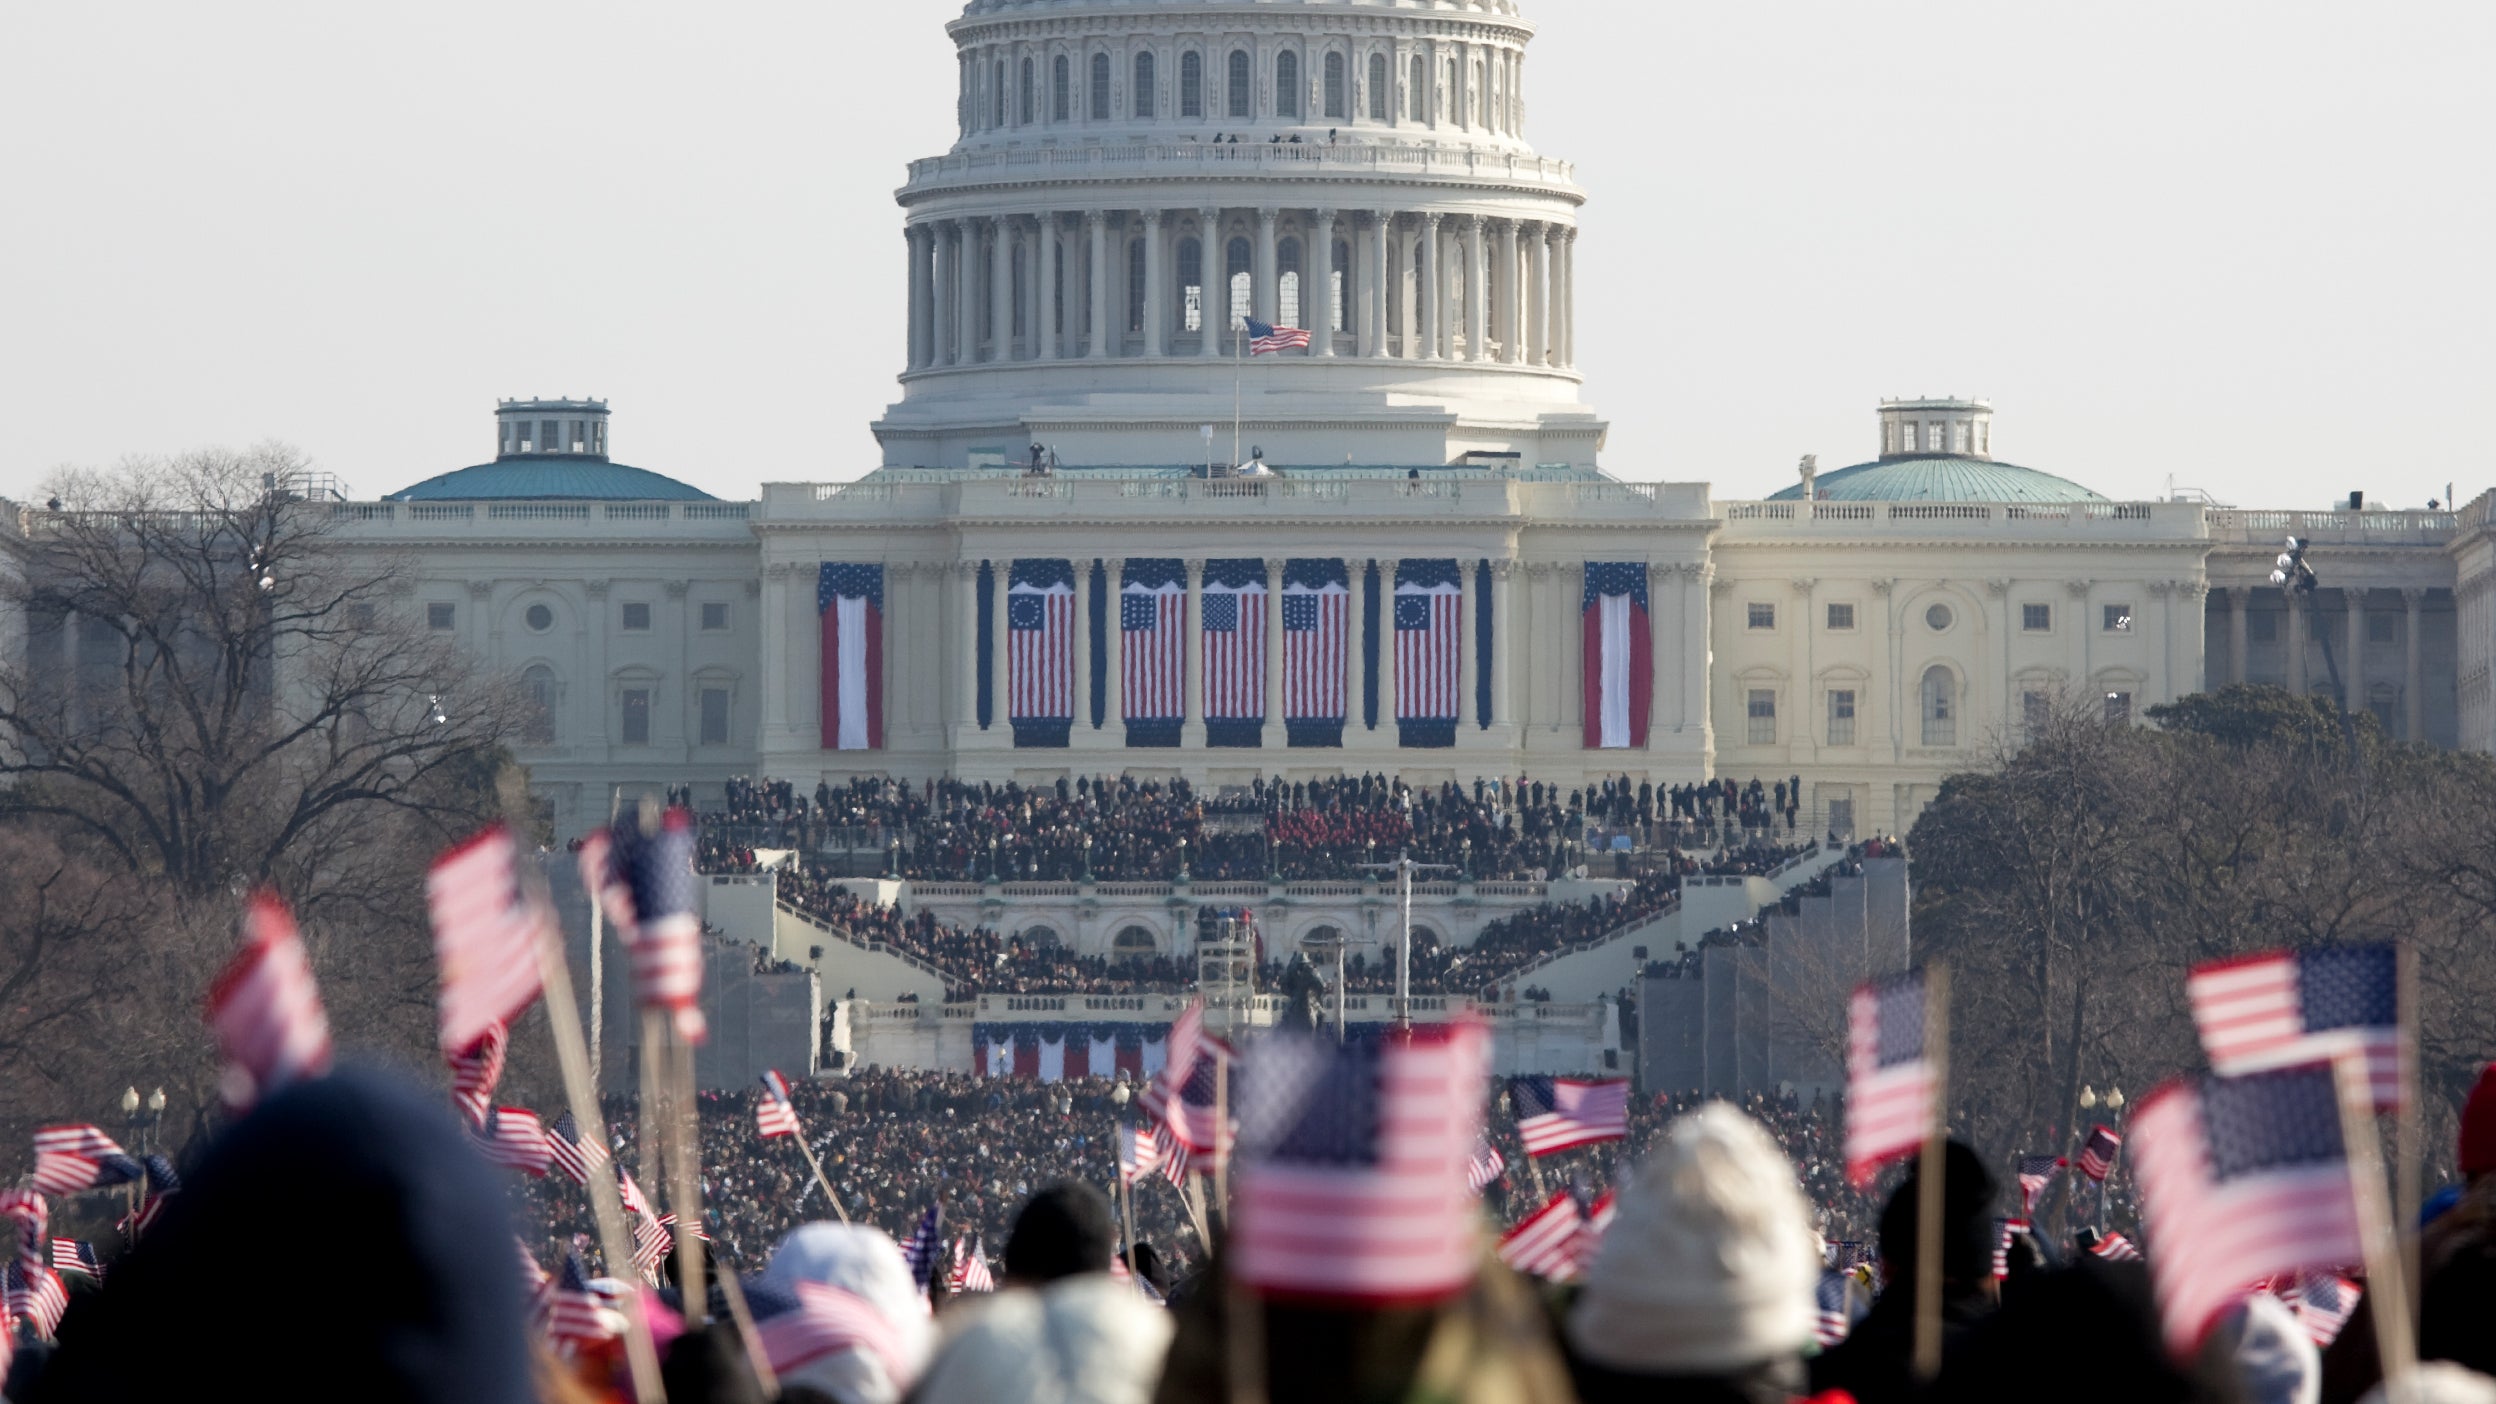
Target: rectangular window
(2382, 626)
(1984, 436)
(546, 431)
(1763, 616)
(2036, 618)
(441, 616)
(2034, 708)
(636, 716)
(636, 618)
(1841, 716)
(1763, 710)
(1906, 438)
(2119, 708)
(1959, 440)
(1842, 816)
(2118, 619)
(1841, 618)
(714, 617)
(714, 716)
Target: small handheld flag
(773, 1116)
(485, 936)
(2097, 1158)
(1891, 1094)
(2035, 1173)
(1557, 1113)
(265, 1008)
(2286, 1007)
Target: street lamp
(2088, 1097)
(2114, 1099)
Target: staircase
(875, 970)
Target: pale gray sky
(2247, 245)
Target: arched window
(1335, 95)
(1132, 943)
(1142, 99)
(1100, 87)
(1239, 83)
(1191, 285)
(537, 686)
(1286, 84)
(1025, 103)
(1341, 270)
(1287, 283)
(1455, 95)
(1191, 84)
(996, 95)
(1418, 100)
(1135, 285)
(1941, 707)
(1040, 937)
(1236, 262)
(1060, 81)
(1378, 94)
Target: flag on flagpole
(2035, 1173)
(1263, 338)
(1890, 1096)
(1619, 654)
(970, 1267)
(2004, 1231)
(516, 1140)
(1152, 649)
(1316, 604)
(2097, 1158)
(1543, 1244)
(32, 1214)
(1599, 1217)
(571, 1151)
(850, 598)
(2285, 1007)
(35, 1295)
(1040, 651)
(2323, 1302)
(1169, 1157)
(925, 1242)
(1484, 1165)
(1232, 637)
(1137, 1154)
(265, 1008)
(1557, 1113)
(485, 936)
(1429, 646)
(773, 1115)
(2241, 1178)
(476, 1072)
(572, 1314)
(652, 893)
(71, 1255)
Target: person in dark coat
(1875, 1362)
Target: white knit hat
(1087, 1339)
(1708, 1268)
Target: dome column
(1477, 293)
(1214, 316)
(1322, 259)
(1564, 338)
(940, 295)
(966, 293)
(1000, 289)
(914, 246)
(1373, 339)
(1156, 291)
(1096, 223)
(1511, 297)
(1044, 282)
(1428, 289)
(1538, 297)
(1263, 296)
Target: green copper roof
(1941, 478)
(539, 477)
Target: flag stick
(1126, 1232)
(1221, 1135)
(579, 1085)
(685, 1184)
(817, 1167)
(1193, 1196)
(2405, 1130)
(2387, 1290)
(1245, 1340)
(1928, 1177)
(755, 1355)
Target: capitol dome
(551, 450)
(1937, 451)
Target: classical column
(914, 242)
(2238, 598)
(901, 615)
(1507, 636)
(2353, 671)
(1276, 735)
(1044, 279)
(1096, 222)
(1113, 712)
(1386, 647)
(1511, 297)
(1408, 290)
(1662, 624)
(965, 577)
(1211, 266)
(1083, 642)
(1477, 293)
(1354, 632)
(1000, 289)
(1468, 662)
(2413, 674)
(966, 295)
(1697, 618)
(1538, 299)
(1000, 675)
(1428, 287)
(1374, 290)
(1567, 301)
(1264, 288)
(2298, 610)
(1192, 655)
(1156, 288)
(1322, 260)
(940, 295)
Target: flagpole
(2405, 1127)
(2387, 1288)
(1221, 1132)
(1929, 1173)
(685, 1188)
(817, 1166)
(1239, 358)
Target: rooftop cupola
(1922, 428)
(533, 428)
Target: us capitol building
(1412, 561)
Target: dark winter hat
(1062, 1230)
(1967, 1191)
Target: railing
(540, 511)
(537, 511)
(846, 937)
(2360, 527)
(1061, 160)
(717, 511)
(1672, 906)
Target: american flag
(925, 1242)
(970, 1267)
(476, 1072)
(1233, 630)
(1544, 1243)
(516, 1140)
(827, 1321)
(35, 1296)
(2323, 1302)
(651, 1243)
(1599, 1216)
(1352, 1172)
(573, 1153)
(664, 935)
(1556, 1113)
(75, 1159)
(162, 1183)
(485, 936)
(2035, 1173)
(1315, 608)
(2005, 1230)
(849, 598)
(773, 1116)
(32, 1215)
(1169, 1157)
(1429, 643)
(627, 1189)
(1040, 642)
(2115, 1248)
(2097, 1158)
(1137, 1154)
(1890, 1094)
(265, 1008)
(1833, 1304)
(2267, 1011)
(1152, 643)
(70, 1255)
(700, 1231)
(1484, 1165)
(532, 1272)
(2241, 1178)
(1181, 1095)
(1263, 338)
(572, 1314)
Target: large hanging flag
(1429, 648)
(485, 936)
(1316, 607)
(1152, 650)
(850, 598)
(1890, 1097)
(1619, 655)
(1557, 1113)
(1040, 651)
(265, 1008)
(2284, 1007)
(1351, 1183)
(1233, 634)
(2242, 1178)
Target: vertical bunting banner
(850, 598)
(1233, 631)
(1369, 645)
(1619, 662)
(1429, 640)
(1097, 620)
(1040, 665)
(983, 673)
(1152, 650)
(1482, 644)
(1316, 603)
